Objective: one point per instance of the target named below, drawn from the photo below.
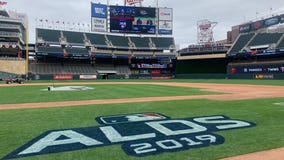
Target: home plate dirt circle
(230, 92)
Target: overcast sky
(186, 13)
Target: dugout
(106, 74)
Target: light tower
(205, 31)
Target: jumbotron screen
(125, 19)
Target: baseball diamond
(141, 80)
(241, 101)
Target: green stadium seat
(241, 42)
(119, 41)
(74, 37)
(49, 35)
(163, 42)
(265, 39)
(141, 42)
(97, 39)
(281, 44)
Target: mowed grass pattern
(20, 126)
(26, 94)
(17, 127)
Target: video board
(125, 19)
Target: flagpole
(27, 48)
(157, 2)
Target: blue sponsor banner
(164, 31)
(271, 21)
(99, 10)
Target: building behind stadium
(13, 38)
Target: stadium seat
(241, 42)
(141, 42)
(265, 39)
(97, 40)
(48, 35)
(163, 42)
(74, 37)
(119, 41)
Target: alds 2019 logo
(140, 135)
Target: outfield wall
(256, 70)
(202, 66)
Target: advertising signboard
(99, 17)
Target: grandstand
(257, 44)
(104, 55)
(12, 44)
(257, 55)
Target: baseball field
(147, 120)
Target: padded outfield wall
(212, 68)
(256, 71)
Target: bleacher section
(56, 68)
(281, 44)
(105, 41)
(97, 40)
(74, 37)
(37, 68)
(163, 43)
(258, 44)
(123, 70)
(265, 39)
(142, 42)
(241, 42)
(103, 55)
(49, 35)
(119, 41)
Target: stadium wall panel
(201, 76)
(202, 66)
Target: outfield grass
(17, 127)
(25, 94)
(20, 126)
